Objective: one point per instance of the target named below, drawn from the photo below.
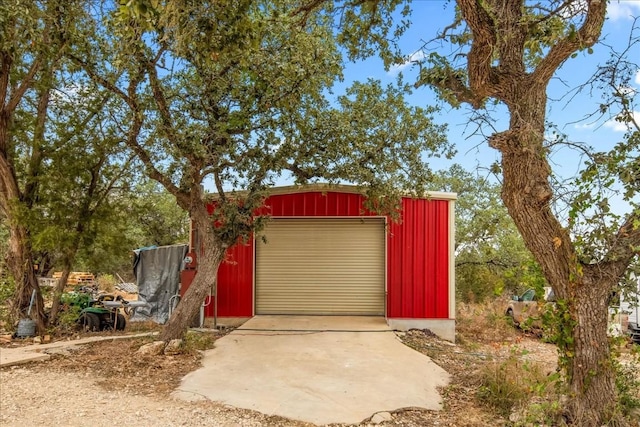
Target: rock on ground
(153, 349)
(381, 417)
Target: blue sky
(430, 16)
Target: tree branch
(626, 246)
(585, 37)
(513, 33)
(99, 79)
(16, 96)
(5, 70)
(480, 56)
(111, 185)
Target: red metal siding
(417, 261)
(235, 283)
(316, 204)
(417, 254)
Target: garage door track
(316, 369)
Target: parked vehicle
(100, 315)
(526, 309)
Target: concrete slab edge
(444, 328)
(34, 353)
(25, 358)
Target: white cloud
(627, 90)
(636, 80)
(617, 126)
(581, 126)
(623, 9)
(572, 9)
(411, 59)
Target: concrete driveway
(316, 369)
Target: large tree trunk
(20, 255)
(20, 263)
(592, 378)
(527, 194)
(210, 256)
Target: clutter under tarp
(157, 272)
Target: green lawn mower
(97, 313)
(102, 316)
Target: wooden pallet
(76, 277)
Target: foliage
(7, 290)
(490, 254)
(32, 40)
(267, 110)
(76, 299)
(158, 219)
(611, 179)
(628, 381)
(106, 282)
(5, 277)
(63, 161)
(67, 320)
(543, 411)
(484, 323)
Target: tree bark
(527, 193)
(592, 377)
(210, 256)
(20, 255)
(20, 263)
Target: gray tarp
(157, 271)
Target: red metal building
(323, 253)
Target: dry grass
(499, 375)
(484, 323)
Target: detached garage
(323, 253)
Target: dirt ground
(106, 383)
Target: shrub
(512, 383)
(198, 341)
(628, 384)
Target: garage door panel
(321, 266)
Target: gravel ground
(47, 398)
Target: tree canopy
(237, 95)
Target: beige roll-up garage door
(321, 266)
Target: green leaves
(237, 94)
(491, 258)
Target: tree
(81, 193)
(160, 221)
(32, 42)
(490, 254)
(510, 51)
(236, 92)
